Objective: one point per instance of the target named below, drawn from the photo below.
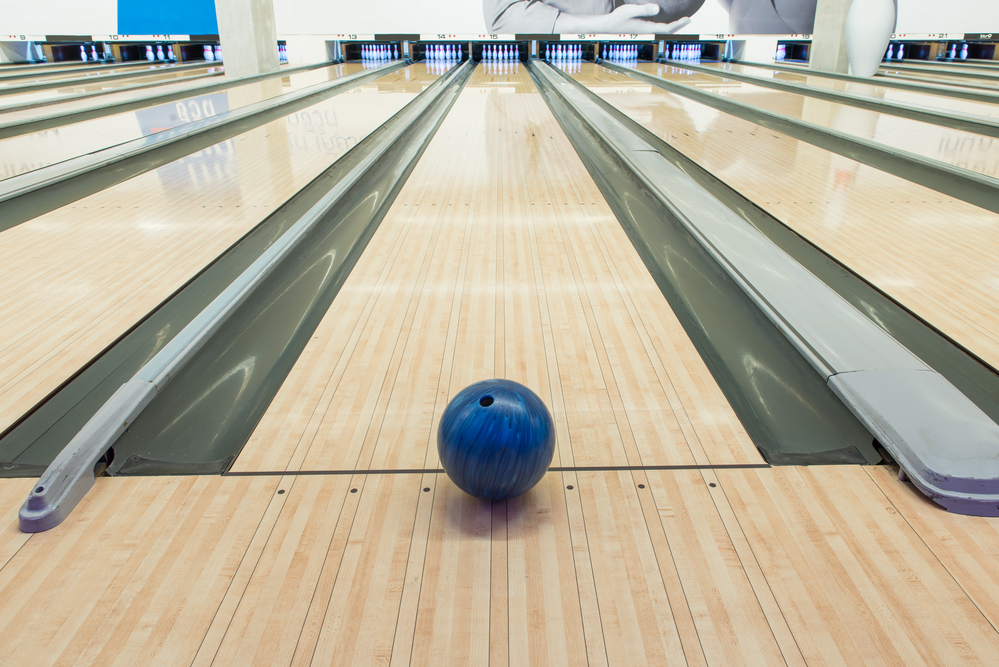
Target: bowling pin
(869, 26)
(964, 52)
(83, 53)
(206, 53)
(149, 53)
(395, 52)
(891, 52)
(953, 52)
(93, 52)
(170, 54)
(159, 52)
(901, 51)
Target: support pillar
(248, 33)
(828, 52)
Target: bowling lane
(933, 254)
(67, 75)
(966, 66)
(939, 77)
(8, 70)
(499, 258)
(96, 84)
(983, 73)
(925, 139)
(876, 89)
(40, 149)
(76, 278)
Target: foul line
(440, 471)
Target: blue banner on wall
(178, 17)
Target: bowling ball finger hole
(39, 489)
(486, 401)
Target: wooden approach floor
(337, 543)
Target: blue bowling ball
(496, 439)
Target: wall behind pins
(329, 17)
(715, 16)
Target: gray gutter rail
(943, 442)
(71, 474)
(956, 92)
(952, 119)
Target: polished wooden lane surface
(934, 142)
(933, 254)
(472, 277)
(39, 149)
(76, 278)
(819, 565)
(876, 88)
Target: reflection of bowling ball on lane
(496, 439)
(669, 10)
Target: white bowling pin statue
(869, 26)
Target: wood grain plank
(134, 575)
(854, 581)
